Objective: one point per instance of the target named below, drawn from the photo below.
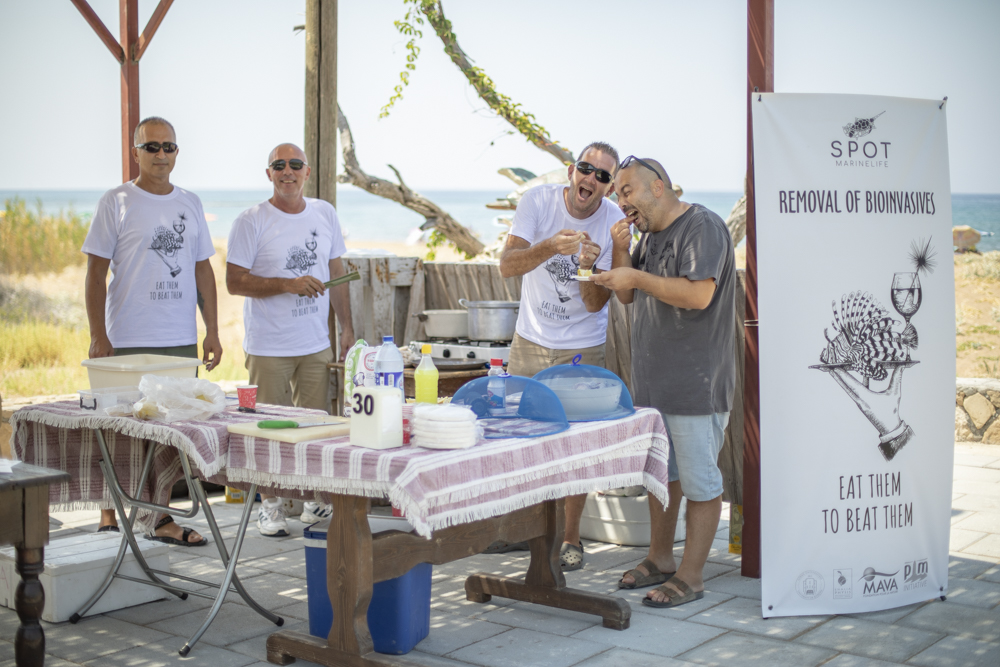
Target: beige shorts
(527, 358)
(300, 381)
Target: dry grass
(32, 241)
(976, 266)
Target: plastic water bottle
(389, 365)
(426, 377)
(496, 386)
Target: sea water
(366, 217)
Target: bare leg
(574, 511)
(702, 522)
(108, 518)
(663, 524)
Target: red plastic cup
(248, 397)
(407, 422)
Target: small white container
(75, 567)
(100, 400)
(129, 369)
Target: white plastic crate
(76, 566)
(129, 369)
(621, 520)
(100, 400)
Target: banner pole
(760, 77)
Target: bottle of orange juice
(426, 377)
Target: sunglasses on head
(279, 165)
(156, 146)
(586, 169)
(631, 158)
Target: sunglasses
(631, 158)
(586, 169)
(279, 165)
(156, 146)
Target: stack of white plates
(445, 427)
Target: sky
(659, 78)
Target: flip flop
(644, 580)
(108, 529)
(570, 557)
(181, 542)
(674, 600)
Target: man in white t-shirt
(281, 251)
(559, 231)
(154, 238)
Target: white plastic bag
(173, 399)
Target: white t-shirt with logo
(275, 244)
(552, 312)
(153, 242)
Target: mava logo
(915, 574)
(879, 583)
(843, 585)
(810, 584)
(861, 127)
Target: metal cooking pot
(445, 323)
(491, 320)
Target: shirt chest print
(300, 261)
(167, 243)
(562, 269)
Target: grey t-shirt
(682, 359)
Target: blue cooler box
(399, 615)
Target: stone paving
(725, 628)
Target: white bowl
(581, 403)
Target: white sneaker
(271, 519)
(315, 512)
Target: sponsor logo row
(872, 582)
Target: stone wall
(977, 410)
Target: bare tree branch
(505, 107)
(435, 216)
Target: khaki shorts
(527, 358)
(300, 381)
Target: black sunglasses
(586, 169)
(631, 158)
(156, 146)
(279, 165)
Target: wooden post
(321, 98)
(760, 76)
(128, 23)
(127, 52)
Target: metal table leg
(231, 581)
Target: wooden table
(361, 561)
(24, 523)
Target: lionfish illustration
(860, 127)
(865, 336)
(299, 261)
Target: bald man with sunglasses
(558, 232)
(153, 237)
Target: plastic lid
(425, 348)
(387, 339)
(496, 362)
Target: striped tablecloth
(437, 489)
(60, 435)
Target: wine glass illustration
(906, 297)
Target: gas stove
(459, 348)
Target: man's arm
(240, 282)
(204, 278)
(520, 257)
(96, 292)
(621, 241)
(680, 292)
(340, 299)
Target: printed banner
(857, 351)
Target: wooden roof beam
(150, 29)
(102, 31)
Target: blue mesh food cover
(530, 408)
(588, 393)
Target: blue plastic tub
(399, 615)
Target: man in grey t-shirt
(681, 281)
